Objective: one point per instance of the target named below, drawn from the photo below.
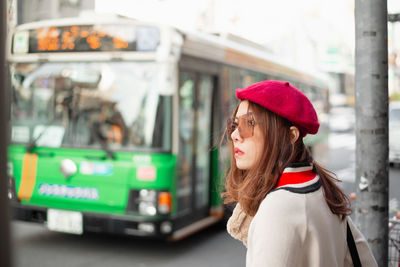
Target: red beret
(284, 100)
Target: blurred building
(394, 59)
(394, 51)
(317, 35)
(35, 10)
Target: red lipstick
(238, 152)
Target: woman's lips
(238, 152)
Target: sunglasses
(244, 123)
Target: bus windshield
(86, 104)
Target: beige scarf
(238, 224)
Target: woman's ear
(294, 134)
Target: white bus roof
(204, 45)
(256, 58)
(86, 20)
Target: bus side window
(186, 125)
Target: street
(35, 246)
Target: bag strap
(352, 247)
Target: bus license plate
(65, 221)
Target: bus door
(195, 127)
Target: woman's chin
(242, 165)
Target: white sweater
(295, 227)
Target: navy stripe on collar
(298, 164)
(301, 190)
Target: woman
(290, 211)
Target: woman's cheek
(252, 155)
(257, 152)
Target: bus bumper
(104, 223)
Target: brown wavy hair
(249, 187)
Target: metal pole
(5, 247)
(371, 207)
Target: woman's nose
(235, 135)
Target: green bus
(115, 123)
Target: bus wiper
(32, 144)
(107, 149)
(102, 140)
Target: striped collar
(299, 178)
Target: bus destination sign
(86, 38)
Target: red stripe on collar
(295, 178)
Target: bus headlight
(147, 208)
(147, 195)
(149, 202)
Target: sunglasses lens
(244, 125)
(231, 126)
(245, 128)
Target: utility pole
(5, 246)
(371, 207)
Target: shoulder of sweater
(282, 203)
(281, 211)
